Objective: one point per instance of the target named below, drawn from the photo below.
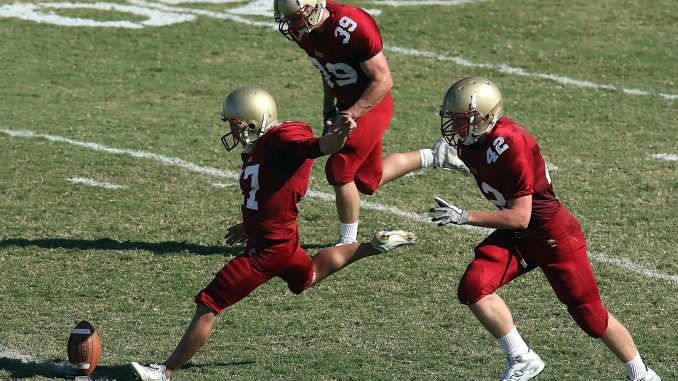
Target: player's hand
(235, 235)
(342, 125)
(447, 213)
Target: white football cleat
(154, 372)
(522, 367)
(445, 157)
(649, 376)
(387, 240)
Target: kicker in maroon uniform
(276, 163)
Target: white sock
(635, 368)
(348, 232)
(426, 157)
(513, 344)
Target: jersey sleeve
(366, 39)
(297, 139)
(517, 167)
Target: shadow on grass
(125, 373)
(20, 367)
(166, 247)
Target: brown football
(84, 348)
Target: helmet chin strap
(262, 130)
(472, 106)
(264, 127)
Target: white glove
(445, 157)
(448, 214)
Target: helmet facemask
(242, 132)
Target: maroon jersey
(508, 164)
(273, 180)
(350, 36)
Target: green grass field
(138, 107)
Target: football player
(277, 159)
(533, 229)
(344, 44)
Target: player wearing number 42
(533, 230)
(276, 165)
(344, 44)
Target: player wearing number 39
(277, 159)
(344, 44)
(533, 230)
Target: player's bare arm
(516, 216)
(376, 68)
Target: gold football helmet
(296, 18)
(250, 111)
(470, 109)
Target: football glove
(235, 235)
(447, 213)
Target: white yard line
(665, 156)
(94, 183)
(222, 185)
(176, 162)
(632, 266)
(251, 13)
(46, 368)
(417, 3)
(506, 69)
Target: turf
(130, 260)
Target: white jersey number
(336, 73)
(346, 26)
(499, 147)
(253, 172)
(499, 199)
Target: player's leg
(303, 272)
(494, 315)
(563, 259)
(341, 172)
(237, 279)
(441, 155)
(342, 167)
(496, 263)
(332, 259)
(398, 164)
(619, 341)
(194, 338)
(574, 285)
(348, 211)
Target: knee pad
(296, 289)
(591, 317)
(471, 288)
(366, 188)
(337, 170)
